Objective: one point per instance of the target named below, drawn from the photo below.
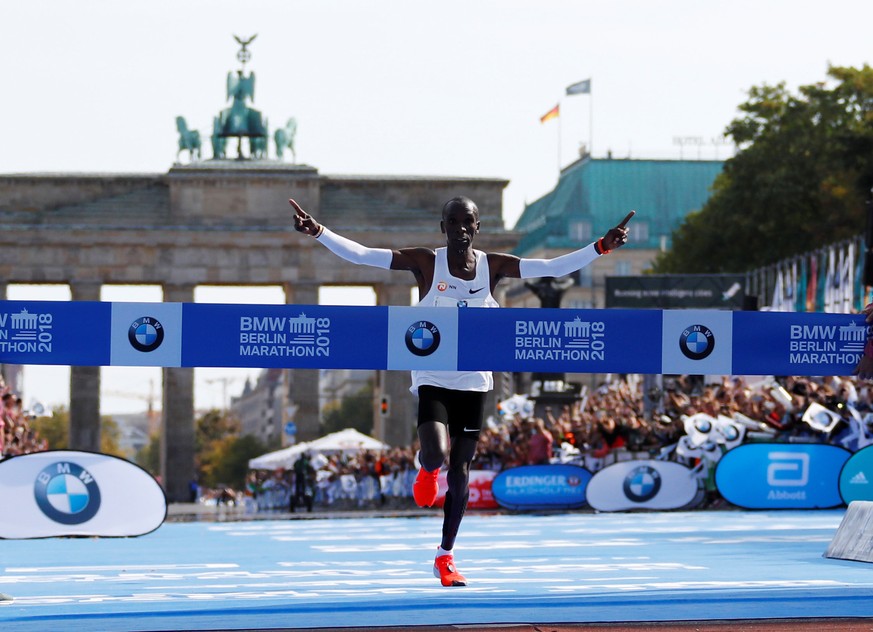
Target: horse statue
(258, 146)
(219, 143)
(284, 137)
(189, 140)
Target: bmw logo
(67, 493)
(642, 483)
(697, 342)
(422, 338)
(146, 334)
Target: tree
(110, 437)
(354, 411)
(149, 456)
(54, 428)
(799, 180)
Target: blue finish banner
(55, 332)
(717, 342)
(798, 343)
(782, 475)
(560, 340)
(284, 336)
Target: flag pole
(590, 124)
(559, 143)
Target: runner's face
(460, 224)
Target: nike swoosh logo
(479, 290)
(471, 429)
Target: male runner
(451, 404)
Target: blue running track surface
(377, 572)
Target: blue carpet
(366, 572)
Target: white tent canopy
(348, 440)
(280, 458)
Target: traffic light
(385, 406)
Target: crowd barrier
(81, 333)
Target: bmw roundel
(67, 493)
(146, 334)
(422, 338)
(697, 342)
(642, 484)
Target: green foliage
(55, 428)
(212, 426)
(355, 411)
(226, 460)
(799, 180)
(110, 437)
(149, 456)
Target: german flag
(553, 113)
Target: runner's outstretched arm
(342, 247)
(517, 268)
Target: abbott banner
(69, 493)
(782, 475)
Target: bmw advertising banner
(69, 493)
(856, 477)
(55, 332)
(798, 344)
(537, 487)
(782, 475)
(714, 342)
(561, 340)
(642, 485)
(283, 336)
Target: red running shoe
(425, 488)
(444, 569)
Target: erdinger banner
(782, 475)
(642, 485)
(68, 493)
(558, 486)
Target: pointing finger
(626, 219)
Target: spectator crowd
(624, 418)
(16, 435)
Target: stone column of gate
(303, 389)
(177, 418)
(398, 427)
(85, 387)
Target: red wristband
(600, 248)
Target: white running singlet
(449, 291)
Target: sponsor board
(70, 493)
(856, 477)
(782, 475)
(642, 485)
(423, 338)
(284, 336)
(561, 340)
(557, 486)
(146, 334)
(798, 344)
(713, 342)
(481, 496)
(697, 341)
(54, 332)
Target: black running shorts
(462, 411)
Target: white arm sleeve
(355, 252)
(559, 266)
